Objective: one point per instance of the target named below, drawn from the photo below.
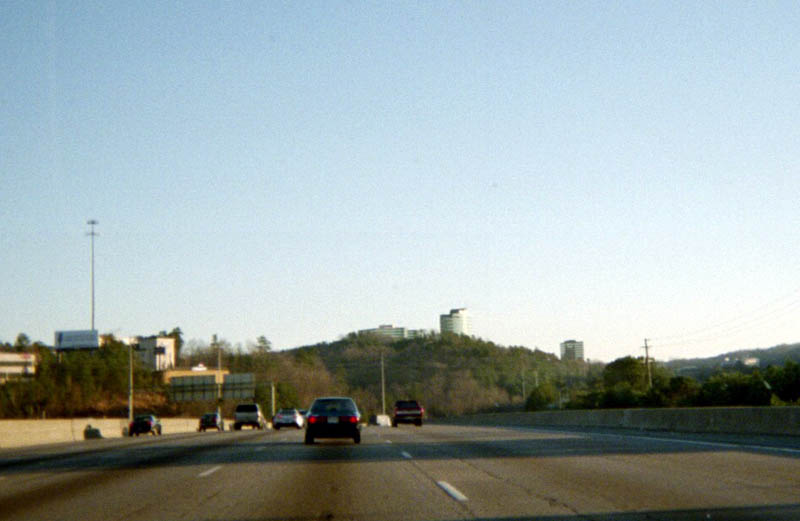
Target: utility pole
(647, 364)
(130, 383)
(383, 388)
(272, 394)
(218, 376)
(92, 223)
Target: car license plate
(333, 419)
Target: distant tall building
(572, 350)
(458, 321)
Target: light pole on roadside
(218, 376)
(383, 387)
(130, 383)
(92, 223)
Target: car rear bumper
(333, 431)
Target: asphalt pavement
(435, 472)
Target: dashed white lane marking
(452, 491)
(388, 441)
(209, 472)
(259, 449)
(406, 455)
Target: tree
(263, 345)
(542, 397)
(785, 381)
(22, 344)
(626, 370)
(728, 389)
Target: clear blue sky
(606, 171)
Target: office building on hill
(458, 321)
(571, 350)
(392, 332)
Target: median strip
(452, 491)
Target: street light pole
(130, 383)
(383, 388)
(92, 223)
(218, 376)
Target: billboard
(239, 386)
(204, 388)
(85, 339)
(201, 388)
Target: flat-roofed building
(572, 350)
(393, 333)
(15, 366)
(155, 352)
(458, 321)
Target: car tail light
(350, 419)
(313, 419)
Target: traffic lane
(17, 457)
(511, 472)
(38, 481)
(267, 477)
(332, 479)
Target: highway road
(436, 472)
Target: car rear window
(333, 406)
(406, 404)
(247, 407)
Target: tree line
(625, 383)
(450, 374)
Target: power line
(760, 315)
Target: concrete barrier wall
(730, 420)
(19, 433)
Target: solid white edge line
(406, 455)
(452, 491)
(721, 444)
(209, 471)
(766, 448)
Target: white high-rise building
(458, 321)
(571, 350)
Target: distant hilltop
(751, 358)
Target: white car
(248, 414)
(288, 418)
